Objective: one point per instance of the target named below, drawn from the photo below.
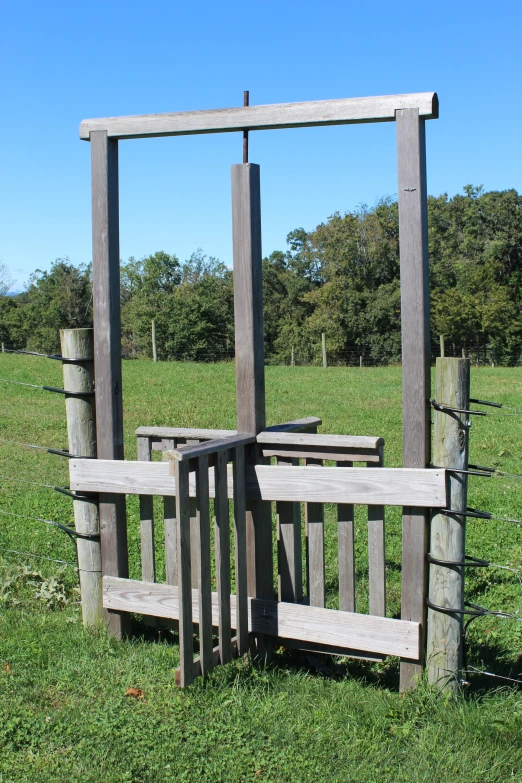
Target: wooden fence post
(107, 354)
(441, 339)
(250, 368)
(323, 346)
(77, 344)
(448, 531)
(154, 350)
(416, 358)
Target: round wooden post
(81, 432)
(448, 532)
(154, 349)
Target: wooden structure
(198, 471)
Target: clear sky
(62, 62)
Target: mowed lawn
(64, 712)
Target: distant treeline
(342, 278)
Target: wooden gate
(225, 466)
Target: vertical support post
(346, 549)
(250, 370)
(290, 558)
(148, 560)
(107, 353)
(448, 532)
(377, 552)
(314, 516)
(154, 350)
(81, 432)
(186, 641)
(441, 339)
(323, 346)
(415, 327)
(292, 357)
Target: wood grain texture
(341, 111)
(222, 544)
(204, 566)
(81, 439)
(364, 486)
(346, 552)
(240, 549)
(290, 558)
(186, 642)
(148, 560)
(415, 328)
(107, 350)
(448, 532)
(308, 452)
(170, 528)
(377, 554)
(308, 424)
(381, 635)
(187, 433)
(317, 440)
(188, 452)
(314, 516)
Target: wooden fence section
(313, 625)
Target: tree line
(341, 278)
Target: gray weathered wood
(240, 550)
(314, 515)
(448, 532)
(107, 351)
(148, 560)
(215, 660)
(365, 486)
(169, 527)
(377, 554)
(290, 558)
(308, 424)
(186, 642)
(381, 635)
(415, 327)
(339, 442)
(188, 452)
(341, 111)
(81, 434)
(346, 549)
(188, 433)
(204, 571)
(222, 543)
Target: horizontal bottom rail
(343, 630)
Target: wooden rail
(342, 111)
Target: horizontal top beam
(186, 453)
(341, 111)
(320, 440)
(190, 433)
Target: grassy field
(64, 712)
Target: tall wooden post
(250, 370)
(77, 344)
(107, 352)
(154, 349)
(448, 531)
(323, 347)
(415, 326)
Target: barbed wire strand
(30, 445)
(26, 481)
(50, 559)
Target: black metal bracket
(468, 562)
(69, 393)
(483, 473)
(448, 409)
(486, 402)
(65, 453)
(470, 512)
(75, 496)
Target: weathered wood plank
(240, 549)
(204, 572)
(365, 486)
(169, 528)
(148, 560)
(187, 433)
(308, 424)
(381, 635)
(377, 555)
(188, 452)
(307, 452)
(415, 329)
(222, 543)
(290, 558)
(338, 442)
(107, 351)
(342, 111)
(186, 641)
(314, 515)
(346, 552)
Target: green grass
(64, 715)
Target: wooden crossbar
(342, 111)
(387, 486)
(292, 621)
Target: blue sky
(64, 62)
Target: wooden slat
(377, 557)
(107, 352)
(148, 561)
(222, 542)
(343, 111)
(346, 549)
(240, 550)
(204, 573)
(381, 635)
(290, 559)
(198, 668)
(416, 357)
(307, 452)
(186, 642)
(170, 528)
(183, 432)
(335, 442)
(308, 424)
(314, 514)
(188, 452)
(364, 486)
